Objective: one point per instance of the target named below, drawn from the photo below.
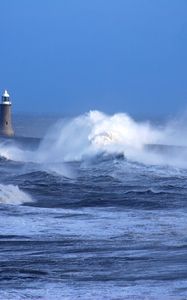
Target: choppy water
(104, 226)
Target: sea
(93, 207)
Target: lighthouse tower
(5, 116)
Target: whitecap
(11, 194)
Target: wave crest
(11, 194)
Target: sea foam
(11, 194)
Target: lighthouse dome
(6, 94)
(6, 98)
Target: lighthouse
(5, 116)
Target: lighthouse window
(6, 123)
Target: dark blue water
(100, 228)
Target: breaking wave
(11, 194)
(94, 133)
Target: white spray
(95, 132)
(11, 194)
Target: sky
(67, 57)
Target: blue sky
(69, 56)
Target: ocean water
(96, 208)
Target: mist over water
(96, 133)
